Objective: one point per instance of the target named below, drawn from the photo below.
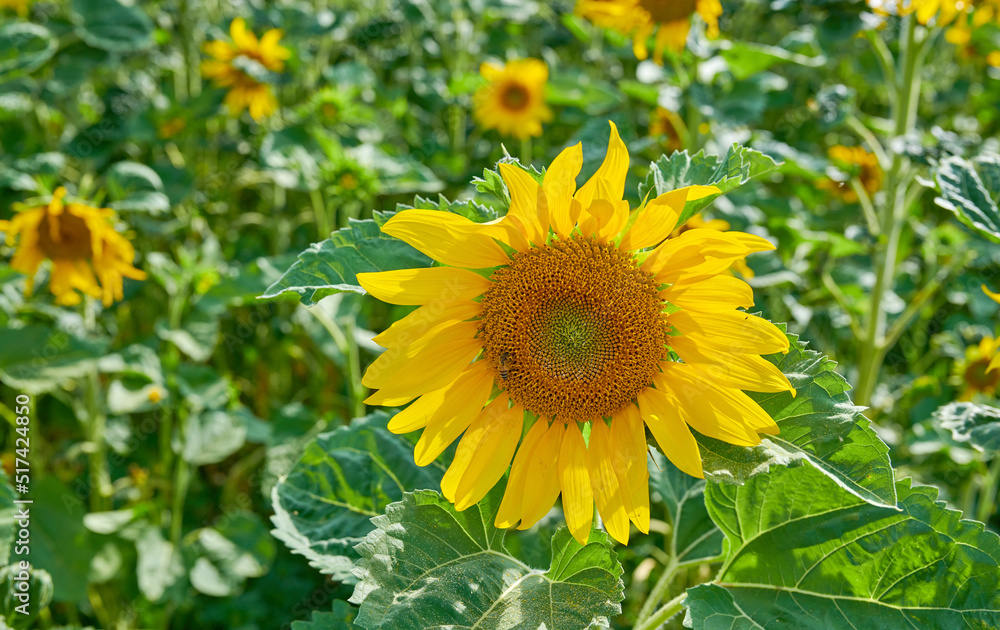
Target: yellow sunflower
(87, 254)
(865, 166)
(580, 321)
(18, 6)
(665, 126)
(244, 90)
(670, 19)
(977, 370)
(995, 361)
(513, 99)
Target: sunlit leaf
(39, 358)
(428, 566)
(971, 189)
(979, 425)
(739, 166)
(112, 25)
(806, 554)
(24, 47)
(324, 506)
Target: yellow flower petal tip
(574, 322)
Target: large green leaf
(678, 170)
(819, 425)
(112, 25)
(430, 566)
(24, 47)
(340, 618)
(332, 266)
(38, 358)
(971, 189)
(804, 553)
(226, 555)
(694, 538)
(979, 425)
(324, 506)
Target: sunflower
(87, 254)
(671, 19)
(513, 99)
(865, 166)
(18, 6)
(977, 370)
(580, 321)
(245, 91)
(995, 361)
(665, 126)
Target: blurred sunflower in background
(976, 371)
(18, 6)
(231, 61)
(995, 360)
(513, 99)
(585, 321)
(860, 163)
(88, 256)
(669, 19)
(668, 129)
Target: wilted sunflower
(670, 19)
(87, 254)
(513, 99)
(245, 91)
(863, 164)
(583, 320)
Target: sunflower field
(500, 314)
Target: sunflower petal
(574, 482)
(559, 185)
(449, 238)
(733, 332)
(658, 218)
(712, 294)
(466, 395)
(607, 493)
(484, 453)
(511, 507)
(409, 287)
(408, 364)
(742, 371)
(543, 472)
(628, 445)
(694, 254)
(712, 410)
(672, 434)
(424, 320)
(612, 172)
(524, 191)
(449, 423)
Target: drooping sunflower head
(977, 371)
(88, 256)
(228, 63)
(583, 320)
(513, 99)
(669, 19)
(861, 164)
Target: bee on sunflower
(513, 99)
(669, 19)
(582, 322)
(224, 69)
(88, 256)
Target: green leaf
(324, 506)
(24, 47)
(112, 25)
(820, 425)
(60, 544)
(746, 59)
(159, 566)
(210, 436)
(806, 554)
(229, 554)
(136, 187)
(396, 174)
(694, 538)
(971, 189)
(39, 594)
(342, 618)
(197, 337)
(332, 266)
(680, 169)
(38, 358)
(8, 528)
(979, 425)
(428, 566)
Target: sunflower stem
(526, 150)
(988, 492)
(656, 595)
(874, 344)
(664, 614)
(95, 424)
